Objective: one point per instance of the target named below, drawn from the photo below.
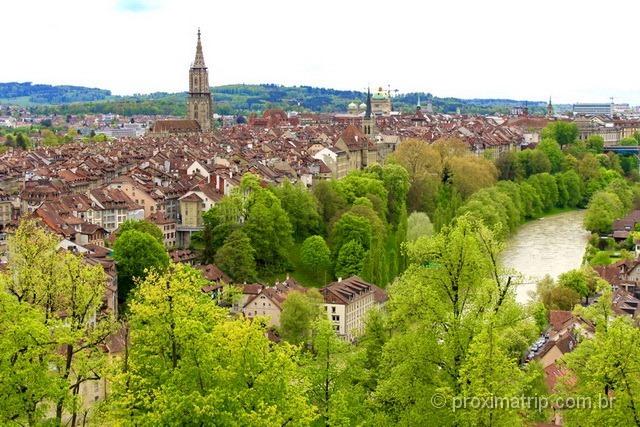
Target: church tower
(369, 120)
(549, 108)
(200, 104)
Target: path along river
(550, 245)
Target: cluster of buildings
(181, 167)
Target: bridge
(625, 150)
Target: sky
(573, 51)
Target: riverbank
(550, 245)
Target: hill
(230, 99)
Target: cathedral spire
(199, 61)
(367, 114)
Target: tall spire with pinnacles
(200, 104)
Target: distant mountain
(231, 99)
(27, 93)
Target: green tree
(236, 257)
(556, 297)
(508, 166)
(299, 312)
(22, 141)
(396, 181)
(418, 225)
(27, 352)
(335, 375)
(143, 226)
(533, 162)
(452, 293)
(301, 207)
(56, 283)
(351, 227)
(135, 253)
(448, 202)
(315, 256)
(595, 144)
(219, 222)
(269, 228)
(554, 153)
(603, 209)
(564, 133)
(583, 281)
(350, 259)
(605, 369)
(200, 365)
(330, 200)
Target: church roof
(176, 126)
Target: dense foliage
(232, 99)
(353, 226)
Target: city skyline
(346, 47)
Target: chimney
(339, 279)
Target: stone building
(200, 103)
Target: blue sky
(570, 50)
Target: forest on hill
(231, 99)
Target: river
(549, 245)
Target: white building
(346, 303)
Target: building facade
(347, 303)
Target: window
(333, 309)
(335, 318)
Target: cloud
(138, 5)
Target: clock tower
(200, 104)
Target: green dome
(380, 94)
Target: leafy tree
(582, 281)
(377, 263)
(628, 141)
(595, 144)
(556, 297)
(269, 228)
(603, 209)
(533, 162)
(350, 259)
(605, 369)
(236, 257)
(54, 282)
(135, 253)
(22, 141)
(335, 375)
(424, 165)
(351, 227)
(201, 366)
(299, 312)
(396, 181)
(572, 185)
(419, 225)
(219, 222)
(330, 200)
(361, 184)
(564, 133)
(301, 208)
(315, 255)
(446, 306)
(469, 174)
(508, 166)
(554, 153)
(143, 226)
(27, 352)
(448, 203)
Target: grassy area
(299, 274)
